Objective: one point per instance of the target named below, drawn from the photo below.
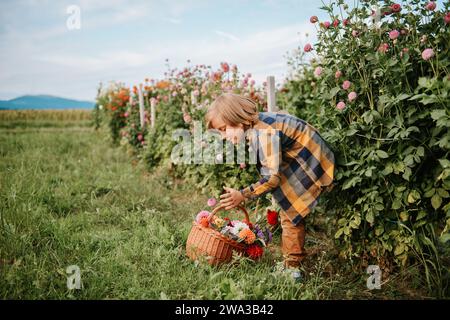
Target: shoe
(295, 274)
(292, 272)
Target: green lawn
(69, 198)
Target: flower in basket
(219, 222)
(204, 222)
(202, 214)
(237, 227)
(254, 251)
(247, 236)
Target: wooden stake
(141, 106)
(153, 111)
(271, 99)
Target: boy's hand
(231, 199)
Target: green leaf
(387, 170)
(407, 173)
(429, 99)
(351, 132)
(396, 204)
(436, 201)
(444, 238)
(413, 196)
(379, 230)
(350, 183)
(403, 96)
(370, 217)
(420, 151)
(382, 154)
(444, 163)
(392, 62)
(429, 193)
(425, 82)
(437, 113)
(399, 249)
(443, 193)
(422, 214)
(404, 216)
(334, 91)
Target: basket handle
(220, 207)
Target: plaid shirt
(296, 171)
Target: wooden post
(193, 99)
(271, 99)
(141, 106)
(271, 107)
(153, 111)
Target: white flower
(238, 227)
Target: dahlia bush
(377, 86)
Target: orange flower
(204, 222)
(162, 84)
(248, 236)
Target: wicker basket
(211, 244)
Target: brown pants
(292, 241)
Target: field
(69, 198)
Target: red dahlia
(272, 217)
(254, 251)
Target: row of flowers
(395, 35)
(188, 91)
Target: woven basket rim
(219, 235)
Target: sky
(128, 41)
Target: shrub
(379, 93)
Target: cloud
(50, 59)
(227, 35)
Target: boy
(294, 160)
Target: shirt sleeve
(268, 146)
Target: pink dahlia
(396, 7)
(447, 18)
(430, 6)
(352, 96)
(346, 85)
(394, 34)
(340, 105)
(318, 71)
(201, 214)
(427, 54)
(212, 202)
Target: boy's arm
(261, 187)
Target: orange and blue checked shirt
(295, 172)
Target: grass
(69, 198)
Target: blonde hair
(234, 109)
